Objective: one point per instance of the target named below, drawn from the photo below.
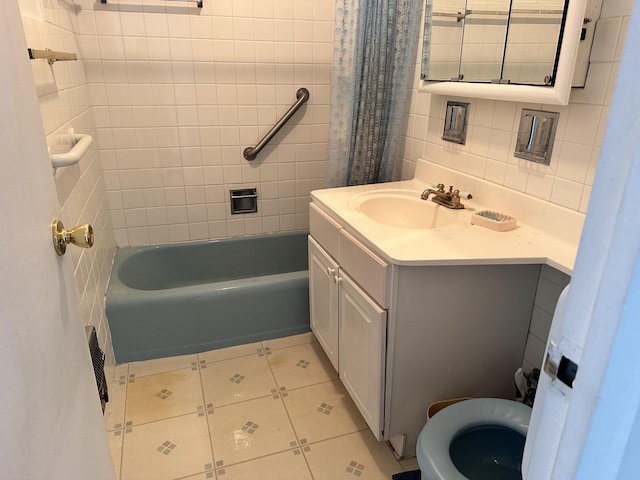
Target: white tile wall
(64, 97)
(550, 285)
(179, 92)
(488, 152)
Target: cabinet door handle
(330, 271)
(337, 279)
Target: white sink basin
(403, 209)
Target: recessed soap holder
(494, 220)
(536, 134)
(243, 200)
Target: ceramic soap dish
(493, 220)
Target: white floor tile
(168, 449)
(249, 430)
(289, 465)
(271, 410)
(322, 411)
(115, 445)
(230, 352)
(289, 341)
(164, 395)
(114, 410)
(354, 455)
(236, 380)
(302, 365)
(161, 365)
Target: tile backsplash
(493, 125)
(178, 92)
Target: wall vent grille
(97, 357)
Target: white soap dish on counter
(493, 220)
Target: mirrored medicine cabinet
(519, 50)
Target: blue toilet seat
(435, 438)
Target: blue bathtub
(186, 298)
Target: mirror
(533, 41)
(523, 50)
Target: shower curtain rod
(198, 2)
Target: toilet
(474, 439)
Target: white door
(323, 300)
(591, 429)
(51, 422)
(363, 337)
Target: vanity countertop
(546, 233)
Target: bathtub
(186, 298)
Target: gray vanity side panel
(458, 331)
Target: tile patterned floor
(272, 410)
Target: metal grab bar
(250, 153)
(50, 56)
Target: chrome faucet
(450, 199)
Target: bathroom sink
(402, 208)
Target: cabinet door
(323, 299)
(363, 327)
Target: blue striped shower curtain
(374, 59)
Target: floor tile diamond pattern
(164, 394)
(166, 448)
(250, 427)
(355, 468)
(325, 408)
(303, 364)
(236, 380)
(273, 410)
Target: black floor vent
(97, 357)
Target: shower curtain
(373, 63)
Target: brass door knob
(81, 236)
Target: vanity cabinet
(404, 336)
(347, 298)
(363, 337)
(323, 300)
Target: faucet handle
(459, 194)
